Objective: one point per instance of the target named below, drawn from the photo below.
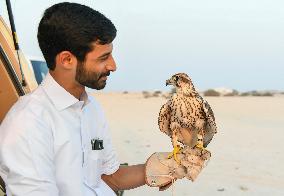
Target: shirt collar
(61, 98)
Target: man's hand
(165, 187)
(162, 171)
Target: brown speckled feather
(164, 119)
(210, 127)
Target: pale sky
(220, 43)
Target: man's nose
(111, 65)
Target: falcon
(186, 117)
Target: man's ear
(66, 60)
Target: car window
(40, 70)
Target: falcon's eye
(176, 78)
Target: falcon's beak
(168, 82)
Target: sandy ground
(247, 153)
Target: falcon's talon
(201, 147)
(174, 153)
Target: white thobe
(45, 145)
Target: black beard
(88, 79)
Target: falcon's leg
(176, 148)
(199, 144)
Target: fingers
(165, 187)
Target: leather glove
(160, 171)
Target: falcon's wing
(164, 119)
(210, 127)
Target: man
(55, 140)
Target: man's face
(97, 66)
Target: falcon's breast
(189, 113)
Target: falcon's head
(182, 83)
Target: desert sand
(247, 153)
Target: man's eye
(104, 58)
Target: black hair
(72, 27)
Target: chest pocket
(93, 168)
